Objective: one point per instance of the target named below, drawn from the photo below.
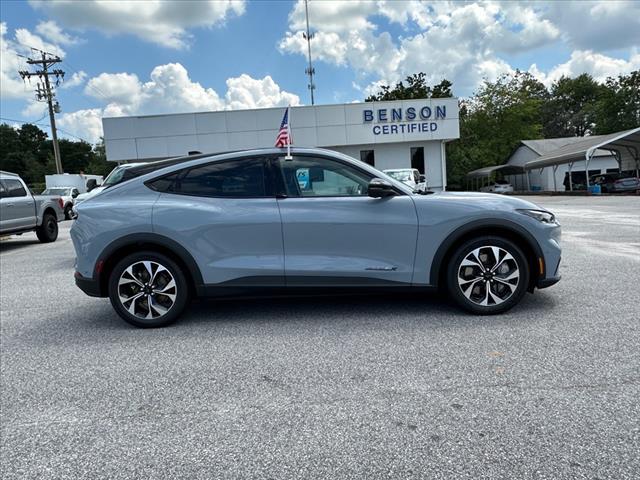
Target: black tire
(47, 232)
(68, 212)
(468, 284)
(137, 288)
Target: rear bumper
(88, 285)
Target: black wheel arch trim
(477, 225)
(150, 238)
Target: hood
(478, 201)
(84, 196)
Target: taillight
(61, 203)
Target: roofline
(589, 153)
(283, 106)
(4, 172)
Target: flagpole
(289, 157)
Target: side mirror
(379, 188)
(91, 184)
(423, 178)
(74, 194)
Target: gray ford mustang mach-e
(260, 222)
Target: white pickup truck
(20, 211)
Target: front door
(335, 234)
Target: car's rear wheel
(47, 232)
(148, 289)
(488, 275)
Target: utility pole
(45, 93)
(308, 36)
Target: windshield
(403, 176)
(114, 177)
(56, 191)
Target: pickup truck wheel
(487, 275)
(48, 231)
(148, 290)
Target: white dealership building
(396, 134)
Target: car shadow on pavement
(340, 312)
(422, 308)
(16, 244)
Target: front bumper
(88, 285)
(547, 282)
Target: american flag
(284, 135)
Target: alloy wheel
(488, 275)
(147, 289)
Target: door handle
(9, 204)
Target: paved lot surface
(331, 388)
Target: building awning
(504, 169)
(625, 146)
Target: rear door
(225, 214)
(334, 233)
(18, 206)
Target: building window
(368, 157)
(417, 159)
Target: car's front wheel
(488, 275)
(148, 289)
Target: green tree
(99, 164)
(572, 107)
(416, 87)
(493, 122)
(618, 107)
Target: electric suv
(265, 222)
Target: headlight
(540, 215)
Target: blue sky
(129, 58)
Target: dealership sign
(390, 121)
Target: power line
(89, 85)
(44, 125)
(44, 92)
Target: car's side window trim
(275, 162)
(267, 178)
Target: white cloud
(161, 22)
(28, 40)
(115, 87)
(35, 109)
(169, 90)
(598, 65)
(597, 26)
(13, 53)
(76, 79)
(463, 42)
(52, 32)
(11, 85)
(246, 92)
(85, 124)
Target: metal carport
(625, 146)
(486, 172)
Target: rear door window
(241, 178)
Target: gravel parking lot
(353, 387)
